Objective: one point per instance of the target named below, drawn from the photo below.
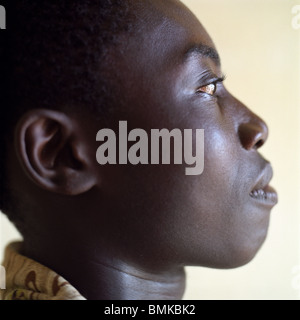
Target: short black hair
(53, 54)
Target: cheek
(196, 220)
(229, 229)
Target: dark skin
(127, 232)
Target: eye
(209, 89)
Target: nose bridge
(251, 129)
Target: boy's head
(76, 67)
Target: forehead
(167, 28)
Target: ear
(53, 152)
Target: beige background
(260, 53)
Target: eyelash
(211, 88)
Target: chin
(234, 256)
(242, 255)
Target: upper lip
(264, 178)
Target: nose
(253, 133)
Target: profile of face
(154, 216)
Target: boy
(122, 231)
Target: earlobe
(53, 153)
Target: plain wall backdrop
(260, 49)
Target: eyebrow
(205, 51)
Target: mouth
(263, 193)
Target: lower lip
(266, 196)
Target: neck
(97, 277)
(121, 282)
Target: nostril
(252, 135)
(259, 144)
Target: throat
(111, 283)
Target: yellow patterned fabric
(29, 280)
